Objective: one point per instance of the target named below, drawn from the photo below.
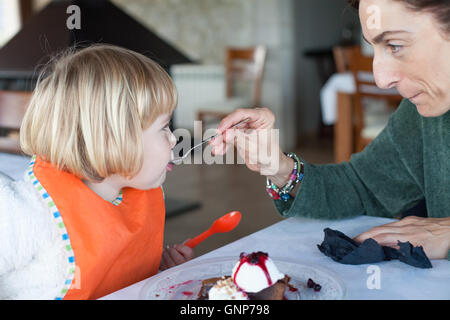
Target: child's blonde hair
(89, 108)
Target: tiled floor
(224, 188)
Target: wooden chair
(13, 105)
(241, 64)
(368, 123)
(343, 127)
(341, 59)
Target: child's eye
(166, 127)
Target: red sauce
(180, 284)
(187, 293)
(293, 289)
(259, 259)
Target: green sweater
(407, 162)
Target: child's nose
(173, 140)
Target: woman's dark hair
(439, 8)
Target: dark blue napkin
(343, 249)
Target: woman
(407, 163)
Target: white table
(345, 83)
(297, 239)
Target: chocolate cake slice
(274, 292)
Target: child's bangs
(159, 96)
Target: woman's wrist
(284, 172)
(277, 192)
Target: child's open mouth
(169, 166)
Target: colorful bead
(295, 177)
(285, 197)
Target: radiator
(199, 87)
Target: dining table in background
(336, 98)
(338, 82)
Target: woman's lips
(414, 97)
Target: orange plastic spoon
(224, 224)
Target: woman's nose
(385, 74)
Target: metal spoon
(179, 160)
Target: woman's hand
(175, 255)
(433, 234)
(256, 141)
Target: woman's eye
(394, 48)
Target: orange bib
(113, 245)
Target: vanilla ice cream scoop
(255, 272)
(225, 289)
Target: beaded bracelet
(295, 177)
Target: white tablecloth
(338, 82)
(344, 82)
(297, 239)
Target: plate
(184, 282)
